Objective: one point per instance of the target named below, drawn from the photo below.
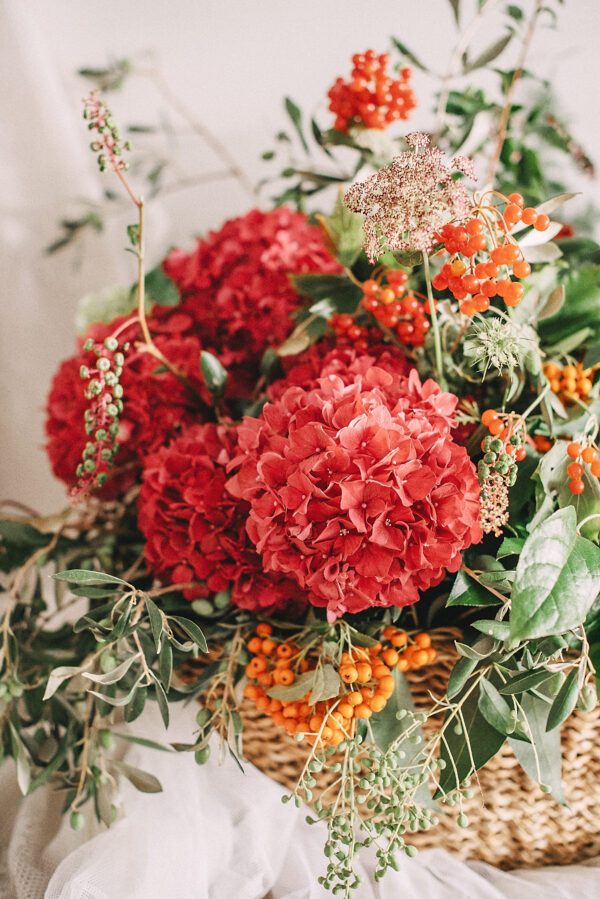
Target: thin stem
(141, 282)
(437, 341)
(505, 115)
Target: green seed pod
(487, 442)
(201, 756)
(89, 465)
(76, 821)
(88, 345)
(462, 820)
(111, 343)
(103, 364)
(512, 476)
(490, 458)
(107, 739)
(496, 445)
(101, 479)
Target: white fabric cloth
(215, 833)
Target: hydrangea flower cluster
(357, 489)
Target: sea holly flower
(356, 488)
(406, 203)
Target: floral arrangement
(325, 437)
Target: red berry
(574, 470)
(574, 450)
(577, 487)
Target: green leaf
(192, 630)
(338, 288)
(553, 304)
(21, 757)
(480, 650)
(495, 708)
(165, 665)
(544, 746)
(18, 541)
(163, 702)
(301, 686)
(403, 49)
(296, 116)
(82, 576)
(552, 474)
(455, 4)
(565, 700)
(133, 233)
(557, 579)
(460, 674)
(510, 546)
(526, 680)
(468, 750)
(296, 343)
(327, 684)
(142, 741)
(215, 376)
(52, 765)
(346, 230)
(466, 592)
(489, 54)
(160, 289)
(499, 630)
(156, 620)
(122, 701)
(134, 708)
(141, 780)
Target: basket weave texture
(512, 824)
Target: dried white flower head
(406, 203)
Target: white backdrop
(232, 62)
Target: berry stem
(505, 114)
(141, 281)
(437, 342)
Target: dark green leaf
(455, 4)
(460, 674)
(346, 231)
(489, 54)
(135, 706)
(338, 288)
(499, 630)
(403, 49)
(215, 376)
(160, 289)
(165, 666)
(468, 750)
(480, 650)
(557, 579)
(495, 708)
(296, 117)
(18, 541)
(163, 702)
(510, 546)
(565, 700)
(192, 630)
(142, 741)
(467, 592)
(526, 680)
(21, 757)
(156, 620)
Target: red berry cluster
(475, 281)
(345, 327)
(395, 307)
(371, 98)
(575, 469)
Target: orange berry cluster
(569, 379)
(395, 307)
(366, 672)
(575, 469)
(372, 97)
(473, 280)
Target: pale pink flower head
(408, 201)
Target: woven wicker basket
(511, 822)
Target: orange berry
(584, 385)
(348, 674)
(278, 719)
(275, 705)
(574, 450)
(387, 684)
(389, 632)
(381, 671)
(421, 657)
(431, 653)
(517, 199)
(363, 711)
(291, 726)
(375, 650)
(512, 213)
(520, 453)
(315, 722)
(262, 703)
(364, 672)
(286, 676)
(290, 710)
(495, 426)
(574, 470)
(367, 692)
(458, 267)
(354, 698)
(263, 629)
(390, 657)
(488, 417)
(541, 222)
(595, 468)
(589, 454)
(284, 651)
(399, 640)
(359, 652)
(327, 733)
(282, 663)
(346, 709)
(577, 487)
(529, 216)
(251, 691)
(403, 664)
(570, 371)
(423, 641)
(265, 679)
(254, 645)
(521, 269)
(378, 702)
(268, 647)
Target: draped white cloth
(215, 833)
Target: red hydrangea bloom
(357, 489)
(323, 358)
(195, 529)
(235, 282)
(156, 403)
